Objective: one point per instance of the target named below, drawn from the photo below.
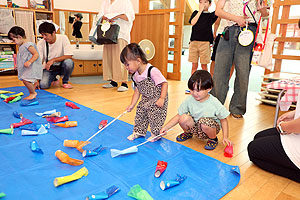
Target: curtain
(24, 19)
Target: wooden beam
(286, 57)
(287, 39)
(287, 21)
(288, 2)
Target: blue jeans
(67, 67)
(229, 52)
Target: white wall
(21, 3)
(78, 5)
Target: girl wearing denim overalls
(152, 85)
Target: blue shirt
(212, 108)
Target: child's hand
(27, 64)
(160, 102)
(201, 5)
(226, 141)
(163, 131)
(129, 108)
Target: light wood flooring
(254, 184)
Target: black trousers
(266, 152)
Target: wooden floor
(254, 184)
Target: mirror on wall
(68, 22)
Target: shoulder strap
(132, 79)
(149, 74)
(47, 51)
(149, 71)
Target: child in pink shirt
(152, 85)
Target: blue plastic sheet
(27, 175)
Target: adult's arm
(240, 20)
(127, 12)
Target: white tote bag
(267, 53)
(263, 58)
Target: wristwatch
(279, 128)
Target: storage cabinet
(87, 67)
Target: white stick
(106, 126)
(152, 139)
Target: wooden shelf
(43, 11)
(280, 75)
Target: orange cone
(65, 158)
(67, 124)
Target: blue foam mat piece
(28, 175)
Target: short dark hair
(133, 51)
(201, 79)
(16, 31)
(79, 15)
(47, 27)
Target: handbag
(107, 33)
(262, 52)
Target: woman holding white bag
(122, 13)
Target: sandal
(134, 136)
(184, 136)
(237, 116)
(211, 144)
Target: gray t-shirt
(212, 108)
(35, 70)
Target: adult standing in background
(230, 51)
(122, 13)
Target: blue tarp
(28, 175)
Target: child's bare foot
(154, 138)
(31, 96)
(134, 136)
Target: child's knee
(184, 119)
(210, 131)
